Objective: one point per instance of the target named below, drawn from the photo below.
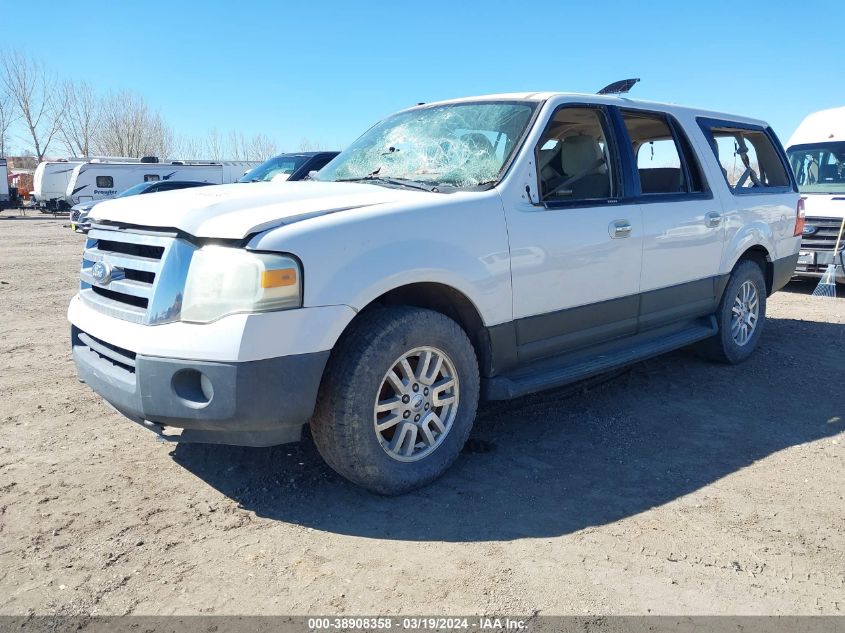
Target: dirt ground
(677, 487)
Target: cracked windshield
(454, 145)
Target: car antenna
(619, 87)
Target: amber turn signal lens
(278, 278)
(799, 218)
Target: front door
(576, 258)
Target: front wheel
(398, 399)
(740, 316)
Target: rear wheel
(740, 316)
(398, 399)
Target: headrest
(578, 154)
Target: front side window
(151, 178)
(748, 158)
(455, 145)
(664, 161)
(573, 157)
(105, 182)
(819, 167)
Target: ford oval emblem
(810, 230)
(101, 272)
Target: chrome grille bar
(144, 273)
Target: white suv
(478, 248)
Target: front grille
(824, 236)
(145, 272)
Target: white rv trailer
(4, 183)
(49, 183)
(92, 181)
(52, 176)
(816, 153)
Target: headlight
(224, 280)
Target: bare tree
(7, 117)
(214, 145)
(261, 147)
(186, 147)
(36, 97)
(239, 148)
(129, 128)
(82, 118)
(307, 145)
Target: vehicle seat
(478, 144)
(829, 173)
(548, 161)
(582, 158)
(661, 180)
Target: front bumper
(814, 264)
(252, 403)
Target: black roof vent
(149, 159)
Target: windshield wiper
(401, 182)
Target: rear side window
(105, 182)
(151, 178)
(749, 159)
(665, 162)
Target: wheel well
(760, 256)
(450, 302)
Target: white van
(817, 155)
(487, 247)
(92, 181)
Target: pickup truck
(479, 248)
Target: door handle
(712, 220)
(619, 229)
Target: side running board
(555, 372)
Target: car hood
(822, 205)
(238, 210)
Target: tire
(729, 345)
(361, 376)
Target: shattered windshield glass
(458, 144)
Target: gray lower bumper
(258, 403)
(782, 271)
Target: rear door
(575, 258)
(683, 229)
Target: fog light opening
(192, 387)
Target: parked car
(288, 166)
(817, 154)
(79, 213)
(482, 248)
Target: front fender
(355, 256)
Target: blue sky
(327, 70)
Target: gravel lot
(677, 487)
